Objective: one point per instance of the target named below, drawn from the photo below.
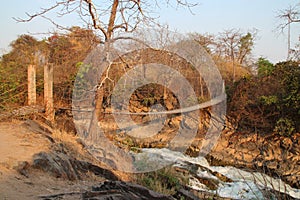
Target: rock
(175, 121)
(286, 143)
(273, 164)
(22, 168)
(26, 110)
(276, 155)
(184, 194)
(169, 105)
(64, 166)
(118, 190)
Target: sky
(209, 16)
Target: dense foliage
(64, 51)
(270, 101)
(267, 102)
(13, 70)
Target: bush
(268, 103)
(265, 67)
(166, 181)
(284, 127)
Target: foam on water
(245, 185)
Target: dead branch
(93, 12)
(289, 16)
(122, 15)
(42, 12)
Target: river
(243, 184)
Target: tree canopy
(110, 17)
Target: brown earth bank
(26, 153)
(39, 162)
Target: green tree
(13, 69)
(24, 51)
(64, 51)
(264, 67)
(245, 47)
(235, 45)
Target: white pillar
(31, 85)
(48, 92)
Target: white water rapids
(244, 185)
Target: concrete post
(31, 85)
(48, 92)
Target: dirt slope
(18, 144)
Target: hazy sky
(210, 16)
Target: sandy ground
(18, 144)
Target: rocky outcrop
(117, 190)
(67, 167)
(276, 155)
(273, 154)
(225, 182)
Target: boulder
(61, 165)
(118, 190)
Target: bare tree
(228, 45)
(287, 17)
(207, 41)
(235, 46)
(295, 53)
(232, 46)
(229, 41)
(107, 17)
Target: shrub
(284, 127)
(268, 103)
(166, 181)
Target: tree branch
(112, 19)
(291, 14)
(95, 18)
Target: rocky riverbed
(44, 163)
